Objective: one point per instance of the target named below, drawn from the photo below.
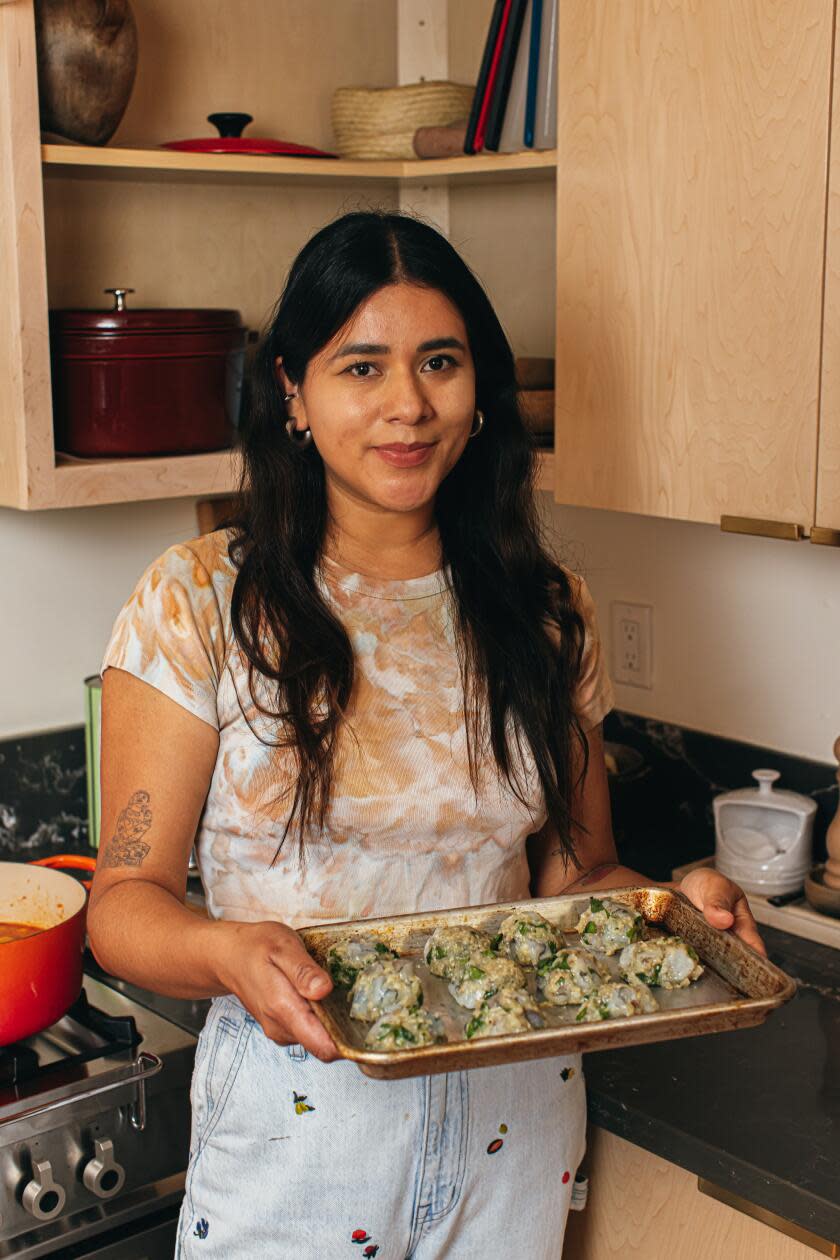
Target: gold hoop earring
(478, 424)
(298, 437)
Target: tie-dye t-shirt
(405, 830)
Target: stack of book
(515, 101)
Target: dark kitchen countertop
(756, 1112)
(187, 1013)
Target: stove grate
(83, 1034)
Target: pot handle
(69, 862)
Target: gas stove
(94, 1132)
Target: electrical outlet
(632, 644)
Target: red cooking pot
(41, 975)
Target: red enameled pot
(145, 382)
(41, 975)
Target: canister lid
(765, 796)
(122, 319)
(162, 319)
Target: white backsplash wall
(71, 572)
(746, 631)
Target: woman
(362, 699)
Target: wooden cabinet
(693, 300)
(828, 469)
(691, 211)
(643, 1208)
(189, 230)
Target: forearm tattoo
(127, 847)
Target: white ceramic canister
(763, 836)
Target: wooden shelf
(545, 480)
(88, 483)
(105, 163)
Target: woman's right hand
(267, 967)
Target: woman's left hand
(723, 903)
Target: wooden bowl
(819, 895)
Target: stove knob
(42, 1196)
(102, 1175)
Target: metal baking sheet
(738, 989)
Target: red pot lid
(149, 319)
(246, 144)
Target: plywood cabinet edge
(643, 1207)
(26, 444)
(827, 513)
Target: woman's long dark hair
(519, 633)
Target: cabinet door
(691, 190)
(828, 465)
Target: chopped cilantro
(400, 1033)
(475, 1025)
(595, 905)
(495, 941)
(692, 952)
(554, 962)
(581, 1014)
(342, 973)
(589, 929)
(383, 949)
(438, 952)
(474, 973)
(523, 928)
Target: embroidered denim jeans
(291, 1157)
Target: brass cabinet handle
(785, 530)
(827, 537)
(823, 1245)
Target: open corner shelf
(89, 483)
(115, 163)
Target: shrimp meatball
(404, 1030)
(385, 986)
(667, 962)
(615, 1001)
(608, 926)
(508, 1011)
(449, 948)
(570, 976)
(348, 957)
(528, 938)
(483, 975)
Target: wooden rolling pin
(831, 874)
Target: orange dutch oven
(41, 974)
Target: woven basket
(381, 122)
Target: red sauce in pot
(16, 931)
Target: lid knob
(119, 297)
(230, 125)
(765, 780)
